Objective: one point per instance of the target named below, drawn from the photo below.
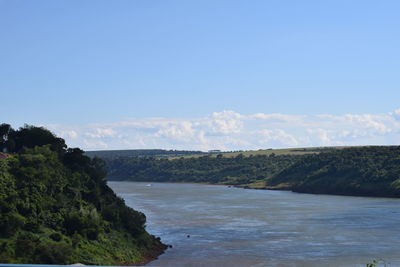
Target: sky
(229, 75)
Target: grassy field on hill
(174, 154)
(267, 152)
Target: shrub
(52, 253)
(56, 237)
(10, 223)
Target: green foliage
(53, 253)
(52, 201)
(56, 237)
(376, 263)
(364, 171)
(235, 171)
(10, 223)
(85, 222)
(28, 137)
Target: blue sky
(81, 66)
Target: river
(210, 225)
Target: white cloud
(277, 138)
(396, 114)
(226, 122)
(93, 144)
(229, 130)
(101, 133)
(275, 117)
(68, 134)
(374, 122)
(321, 136)
(180, 131)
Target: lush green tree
(6, 144)
(55, 207)
(239, 170)
(367, 171)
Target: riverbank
(355, 171)
(56, 208)
(294, 189)
(151, 255)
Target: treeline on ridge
(109, 154)
(56, 208)
(359, 171)
(238, 170)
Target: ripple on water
(237, 227)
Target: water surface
(240, 227)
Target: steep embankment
(56, 208)
(362, 171)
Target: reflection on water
(239, 227)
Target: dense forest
(239, 170)
(360, 171)
(56, 207)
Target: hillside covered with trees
(362, 171)
(56, 208)
(359, 171)
(237, 170)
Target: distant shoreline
(370, 171)
(266, 188)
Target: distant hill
(241, 168)
(237, 170)
(267, 152)
(162, 153)
(108, 154)
(360, 171)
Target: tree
(30, 136)
(6, 143)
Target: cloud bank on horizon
(229, 130)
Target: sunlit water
(241, 227)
